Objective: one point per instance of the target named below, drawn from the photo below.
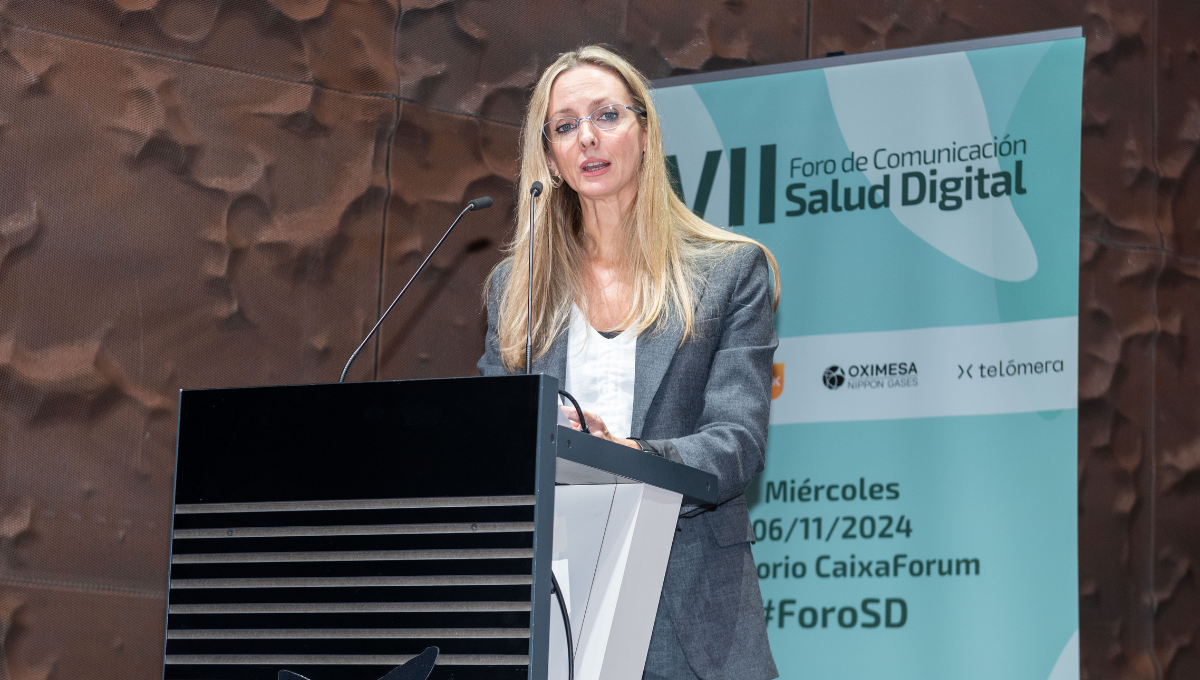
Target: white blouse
(600, 373)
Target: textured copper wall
(219, 192)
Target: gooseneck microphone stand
(535, 190)
(475, 204)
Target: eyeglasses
(604, 118)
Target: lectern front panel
(338, 530)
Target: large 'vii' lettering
(707, 175)
(737, 184)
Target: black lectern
(338, 530)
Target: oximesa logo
(834, 377)
(871, 376)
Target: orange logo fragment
(776, 380)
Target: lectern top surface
(584, 459)
(361, 440)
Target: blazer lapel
(654, 353)
(655, 349)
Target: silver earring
(556, 184)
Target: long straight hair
(665, 249)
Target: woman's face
(596, 163)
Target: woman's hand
(596, 426)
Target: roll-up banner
(917, 515)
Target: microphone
(535, 190)
(473, 204)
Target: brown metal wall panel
(62, 631)
(855, 27)
(1177, 382)
(162, 225)
(466, 57)
(1118, 127)
(1176, 540)
(1178, 125)
(344, 44)
(480, 57)
(1117, 341)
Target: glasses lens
(560, 129)
(604, 118)
(608, 117)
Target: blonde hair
(665, 245)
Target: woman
(660, 325)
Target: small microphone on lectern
(474, 204)
(536, 189)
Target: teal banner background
(928, 357)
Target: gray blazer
(705, 403)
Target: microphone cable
(582, 421)
(562, 605)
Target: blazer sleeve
(490, 364)
(730, 435)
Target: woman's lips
(594, 168)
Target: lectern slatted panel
(512, 618)
(349, 607)
(382, 574)
(352, 667)
(359, 530)
(367, 504)
(348, 633)
(354, 556)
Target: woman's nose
(587, 133)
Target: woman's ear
(553, 168)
